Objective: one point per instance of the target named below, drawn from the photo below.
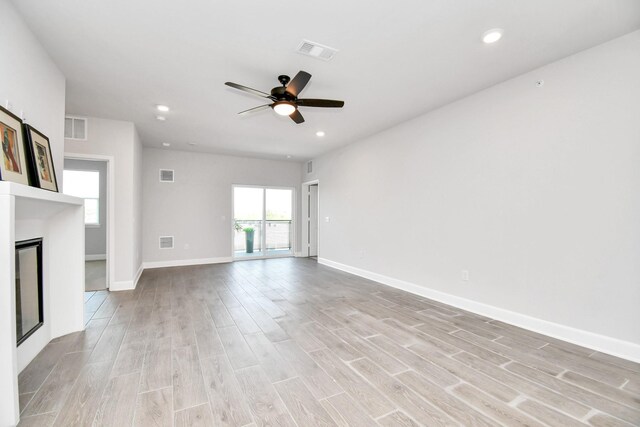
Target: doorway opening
(90, 178)
(311, 224)
(263, 222)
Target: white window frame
(90, 224)
(265, 254)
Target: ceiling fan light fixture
(284, 108)
(492, 36)
(285, 98)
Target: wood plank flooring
(289, 342)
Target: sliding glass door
(263, 222)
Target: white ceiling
(397, 60)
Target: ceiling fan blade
(298, 83)
(249, 90)
(325, 103)
(254, 109)
(297, 117)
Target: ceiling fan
(285, 98)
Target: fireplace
(29, 306)
(49, 299)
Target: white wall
(534, 191)
(35, 88)
(196, 209)
(31, 82)
(95, 236)
(119, 140)
(137, 205)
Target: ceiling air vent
(75, 128)
(166, 175)
(166, 242)
(316, 50)
(309, 166)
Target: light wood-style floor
(289, 342)
(95, 275)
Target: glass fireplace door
(29, 310)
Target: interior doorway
(311, 224)
(90, 178)
(312, 219)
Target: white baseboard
(138, 274)
(616, 347)
(99, 257)
(299, 255)
(127, 285)
(183, 262)
(123, 285)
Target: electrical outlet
(186, 246)
(465, 275)
(327, 219)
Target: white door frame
(111, 233)
(264, 231)
(305, 224)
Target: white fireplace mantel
(25, 213)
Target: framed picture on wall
(43, 172)
(14, 157)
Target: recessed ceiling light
(284, 108)
(288, 156)
(166, 144)
(492, 36)
(191, 143)
(320, 133)
(163, 108)
(161, 118)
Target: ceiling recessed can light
(284, 108)
(288, 156)
(191, 143)
(493, 35)
(161, 118)
(166, 144)
(163, 108)
(320, 133)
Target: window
(85, 184)
(263, 221)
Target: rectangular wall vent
(75, 128)
(310, 166)
(166, 175)
(166, 242)
(316, 50)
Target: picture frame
(14, 157)
(43, 173)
